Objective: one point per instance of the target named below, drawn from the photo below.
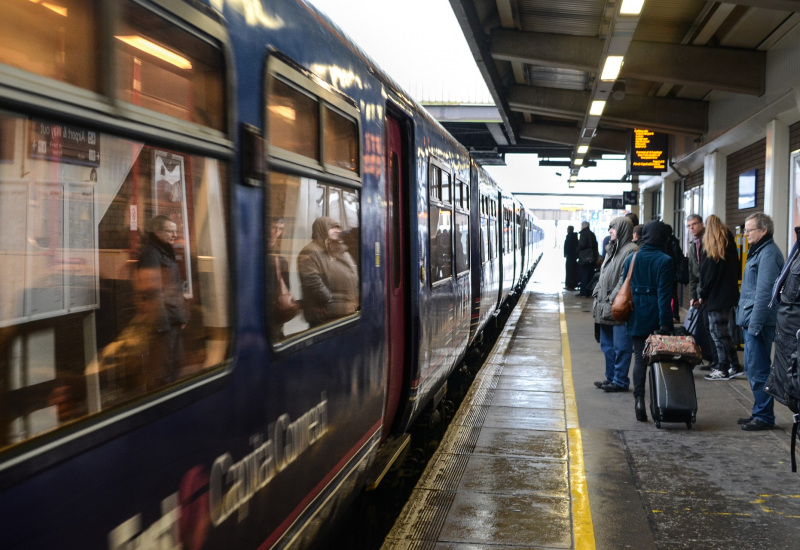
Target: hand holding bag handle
(622, 305)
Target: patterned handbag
(672, 348)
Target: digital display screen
(647, 152)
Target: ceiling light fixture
(631, 7)
(583, 149)
(597, 108)
(611, 68)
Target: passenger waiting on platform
(694, 223)
(651, 284)
(633, 217)
(764, 262)
(571, 278)
(614, 339)
(719, 293)
(637, 233)
(673, 248)
(587, 256)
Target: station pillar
(714, 175)
(776, 182)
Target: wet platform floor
(537, 457)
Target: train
(331, 254)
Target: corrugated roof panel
(551, 77)
(667, 21)
(574, 17)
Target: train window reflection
(462, 242)
(114, 272)
(313, 271)
(168, 70)
(293, 120)
(56, 40)
(341, 140)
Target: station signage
(612, 203)
(630, 197)
(647, 152)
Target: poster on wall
(169, 199)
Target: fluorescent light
(578, 161)
(631, 7)
(611, 68)
(143, 44)
(582, 149)
(597, 108)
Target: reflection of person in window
(328, 274)
(172, 317)
(284, 306)
(135, 361)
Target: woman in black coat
(719, 294)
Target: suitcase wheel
(689, 424)
(658, 424)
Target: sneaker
(717, 374)
(756, 425)
(709, 366)
(744, 420)
(600, 385)
(733, 373)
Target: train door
(396, 257)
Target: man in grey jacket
(764, 262)
(614, 340)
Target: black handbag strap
(794, 440)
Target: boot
(641, 414)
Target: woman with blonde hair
(719, 293)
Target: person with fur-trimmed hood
(614, 339)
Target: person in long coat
(571, 279)
(615, 342)
(651, 286)
(764, 262)
(587, 241)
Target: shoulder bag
(622, 305)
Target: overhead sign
(630, 197)
(647, 152)
(612, 203)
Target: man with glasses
(757, 319)
(172, 314)
(694, 223)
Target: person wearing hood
(587, 243)
(719, 292)
(651, 286)
(328, 274)
(757, 319)
(614, 339)
(571, 278)
(171, 314)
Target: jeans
(757, 366)
(639, 366)
(617, 349)
(719, 329)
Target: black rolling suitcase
(672, 393)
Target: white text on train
(233, 484)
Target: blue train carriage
(485, 250)
(270, 143)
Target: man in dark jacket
(172, 314)
(571, 254)
(694, 223)
(764, 261)
(587, 255)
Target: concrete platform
(537, 457)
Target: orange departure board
(648, 152)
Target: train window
(341, 140)
(446, 188)
(462, 242)
(435, 182)
(466, 202)
(313, 271)
(168, 70)
(56, 40)
(457, 194)
(314, 244)
(114, 274)
(440, 218)
(293, 120)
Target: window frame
(292, 164)
(38, 97)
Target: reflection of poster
(13, 223)
(44, 277)
(80, 265)
(169, 199)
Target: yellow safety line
(582, 527)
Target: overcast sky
(420, 44)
